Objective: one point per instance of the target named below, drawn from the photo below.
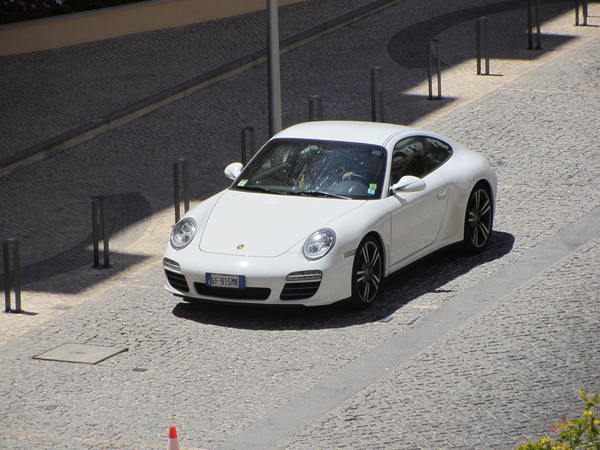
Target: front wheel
(478, 220)
(367, 273)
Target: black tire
(479, 219)
(367, 273)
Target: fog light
(171, 265)
(305, 275)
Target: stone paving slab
(80, 353)
(215, 371)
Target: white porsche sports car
(325, 210)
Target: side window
(418, 156)
(408, 158)
(437, 152)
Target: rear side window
(418, 156)
(437, 152)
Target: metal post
(374, 95)
(105, 236)
(584, 10)
(530, 24)
(275, 122)
(17, 272)
(430, 69)
(484, 21)
(311, 107)
(186, 190)
(250, 131)
(538, 22)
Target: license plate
(226, 281)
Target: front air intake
(298, 291)
(177, 281)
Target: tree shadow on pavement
(426, 276)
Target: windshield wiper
(316, 194)
(261, 189)
(300, 193)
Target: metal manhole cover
(81, 353)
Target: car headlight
(319, 244)
(183, 233)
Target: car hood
(267, 225)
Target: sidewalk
(224, 374)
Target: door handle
(442, 193)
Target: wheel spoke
(375, 258)
(486, 208)
(477, 199)
(484, 230)
(484, 233)
(365, 295)
(364, 255)
(376, 282)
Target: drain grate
(81, 353)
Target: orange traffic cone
(173, 442)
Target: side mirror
(408, 183)
(233, 170)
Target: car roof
(344, 130)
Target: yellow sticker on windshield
(242, 183)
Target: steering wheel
(359, 178)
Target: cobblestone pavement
(511, 371)
(458, 353)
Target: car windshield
(316, 168)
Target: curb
(64, 141)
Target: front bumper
(265, 277)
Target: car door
(416, 217)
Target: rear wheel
(478, 219)
(367, 273)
